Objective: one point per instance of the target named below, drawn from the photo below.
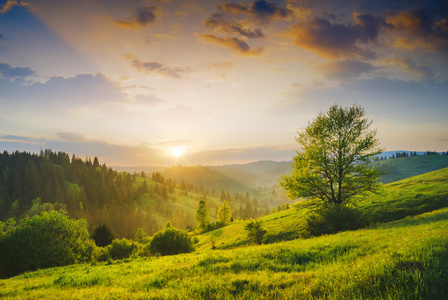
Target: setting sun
(177, 151)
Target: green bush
(102, 235)
(333, 219)
(120, 249)
(255, 232)
(171, 241)
(43, 241)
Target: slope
(397, 200)
(364, 264)
(405, 167)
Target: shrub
(333, 219)
(255, 232)
(43, 241)
(102, 235)
(120, 249)
(171, 241)
(141, 236)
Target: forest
(34, 183)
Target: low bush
(255, 232)
(333, 219)
(120, 249)
(43, 241)
(102, 235)
(170, 241)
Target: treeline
(33, 183)
(411, 153)
(242, 204)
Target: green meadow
(403, 254)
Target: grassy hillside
(397, 200)
(364, 264)
(405, 167)
(402, 259)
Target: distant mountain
(405, 167)
(257, 173)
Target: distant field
(405, 167)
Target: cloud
(239, 155)
(14, 73)
(218, 23)
(2, 37)
(406, 64)
(262, 11)
(141, 17)
(336, 40)
(221, 66)
(417, 28)
(58, 91)
(156, 67)
(233, 43)
(344, 70)
(10, 4)
(380, 96)
(148, 99)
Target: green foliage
(407, 259)
(102, 235)
(120, 249)
(202, 214)
(333, 219)
(225, 213)
(141, 236)
(336, 162)
(43, 241)
(170, 241)
(255, 231)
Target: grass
(405, 167)
(405, 259)
(403, 256)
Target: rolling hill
(402, 255)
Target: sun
(177, 151)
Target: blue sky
(224, 81)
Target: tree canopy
(335, 163)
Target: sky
(192, 82)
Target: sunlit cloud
(336, 40)
(233, 43)
(218, 23)
(408, 65)
(417, 28)
(347, 69)
(141, 17)
(158, 68)
(10, 4)
(262, 11)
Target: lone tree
(336, 161)
(255, 231)
(202, 214)
(225, 213)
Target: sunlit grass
(406, 259)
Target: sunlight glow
(177, 151)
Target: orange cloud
(262, 10)
(141, 17)
(156, 67)
(417, 28)
(233, 43)
(10, 4)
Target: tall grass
(406, 259)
